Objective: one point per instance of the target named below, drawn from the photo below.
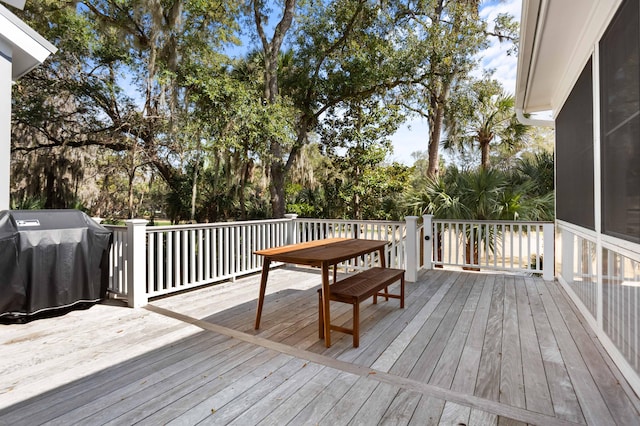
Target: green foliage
(142, 112)
(483, 116)
(30, 203)
(482, 194)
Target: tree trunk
(246, 177)
(276, 189)
(130, 195)
(434, 145)
(194, 191)
(271, 50)
(484, 148)
(437, 101)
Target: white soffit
(557, 38)
(15, 3)
(29, 49)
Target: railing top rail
(214, 225)
(123, 227)
(497, 222)
(359, 221)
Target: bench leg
(356, 325)
(375, 296)
(386, 295)
(402, 292)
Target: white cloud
(414, 136)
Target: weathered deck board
(124, 380)
(455, 414)
(449, 361)
(467, 372)
(376, 405)
(470, 348)
(141, 399)
(535, 380)
(406, 362)
(511, 374)
(194, 399)
(593, 405)
(561, 393)
(433, 352)
(614, 395)
(402, 408)
(346, 408)
(312, 401)
(391, 352)
(488, 380)
(428, 411)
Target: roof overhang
(557, 38)
(29, 49)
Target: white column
(427, 225)
(412, 248)
(597, 183)
(5, 124)
(292, 235)
(136, 262)
(548, 267)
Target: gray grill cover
(50, 259)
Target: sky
(414, 135)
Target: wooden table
(320, 253)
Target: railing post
(427, 226)
(412, 248)
(548, 258)
(292, 237)
(567, 243)
(136, 262)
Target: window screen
(620, 123)
(574, 154)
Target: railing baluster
(207, 254)
(191, 240)
(151, 278)
(185, 257)
(200, 250)
(528, 259)
(170, 259)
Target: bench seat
(356, 288)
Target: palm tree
(484, 114)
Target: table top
(329, 251)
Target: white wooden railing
(176, 258)
(601, 274)
(154, 261)
(393, 232)
(500, 245)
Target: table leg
(326, 307)
(263, 288)
(383, 257)
(383, 264)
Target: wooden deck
(469, 348)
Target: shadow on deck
(469, 348)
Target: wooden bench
(359, 287)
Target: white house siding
(599, 264)
(5, 122)
(21, 50)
